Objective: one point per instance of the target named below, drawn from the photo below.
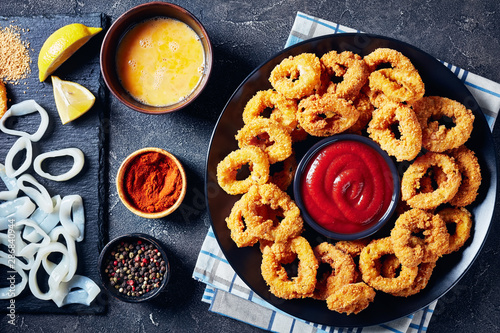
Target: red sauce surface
(347, 187)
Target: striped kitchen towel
(228, 295)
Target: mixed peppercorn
(135, 268)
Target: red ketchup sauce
(347, 186)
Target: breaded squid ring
(351, 298)
(397, 85)
(369, 265)
(365, 108)
(436, 137)
(276, 276)
(471, 176)
(269, 198)
(391, 265)
(354, 247)
(350, 67)
(343, 270)
(227, 169)
(297, 76)
(269, 136)
(284, 177)
(244, 233)
(462, 219)
(409, 144)
(446, 190)
(326, 115)
(385, 55)
(282, 109)
(412, 253)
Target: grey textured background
(245, 34)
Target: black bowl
(311, 154)
(106, 253)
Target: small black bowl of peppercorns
(134, 267)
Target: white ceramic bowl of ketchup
(116, 33)
(369, 228)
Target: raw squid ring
(3, 99)
(351, 67)
(436, 137)
(365, 108)
(471, 176)
(369, 265)
(283, 110)
(23, 143)
(15, 210)
(72, 216)
(9, 292)
(275, 274)
(297, 76)
(227, 169)
(269, 136)
(10, 183)
(351, 298)
(326, 115)
(343, 270)
(379, 129)
(270, 198)
(434, 244)
(385, 55)
(78, 162)
(417, 170)
(462, 219)
(22, 109)
(390, 267)
(37, 192)
(397, 85)
(241, 232)
(284, 177)
(354, 247)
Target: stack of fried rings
(375, 94)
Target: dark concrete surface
(244, 34)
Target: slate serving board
(88, 133)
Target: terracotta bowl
(122, 192)
(105, 256)
(122, 25)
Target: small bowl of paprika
(151, 183)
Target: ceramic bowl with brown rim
(151, 183)
(130, 19)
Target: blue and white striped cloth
(229, 296)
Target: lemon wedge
(72, 99)
(61, 45)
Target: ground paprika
(153, 182)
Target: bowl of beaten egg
(156, 58)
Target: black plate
(438, 80)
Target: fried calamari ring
(284, 177)
(351, 67)
(397, 85)
(3, 99)
(269, 136)
(354, 247)
(365, 108)
(282, 110)
(276, 276)
(282, 212)
(343, 270)
(409, 248)
(326, 115)
(471, 176)
(408, 145)
(385, 55)
(462, 219)
(227, 169)
(446, 190)
(369, 265)
(297, 76)
(390, 267)
(351, 298)
(244, 233)
(439, 138)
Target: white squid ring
(78, 162)
(46, 221)
(23, 143)
(72, 216)
(72, 255)
(22, 109)
(6, 292)
(39, 194)
(16, 210)
(10, 183)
